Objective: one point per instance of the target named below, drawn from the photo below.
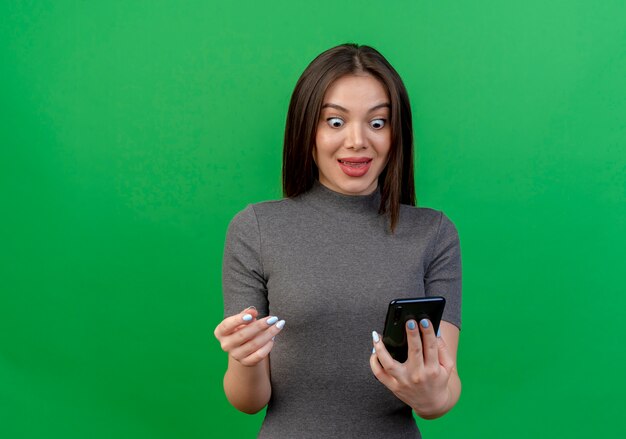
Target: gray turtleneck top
(328, 264)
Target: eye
(334, 122)
(378, 123)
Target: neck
(329, 199)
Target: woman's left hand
(422, 381)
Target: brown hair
(300, 171)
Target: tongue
(355, 169)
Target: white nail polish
(272, 320)
(246, 317)
(280, 324)
(375, 337)
(373, 351)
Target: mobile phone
(402, 310)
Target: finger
(390, 365)
(429, 344)
(259, 354)
(245, 333)
(445, 357)
(259, 340)
(229, 324)
(251, 310)
(415, 355)
(380, 373)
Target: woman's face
(353, 135)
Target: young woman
(329, 257)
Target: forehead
(356, 89)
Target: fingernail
(273, 338)
(375, 337)
(246, 317)
(373, 351)
(280, 324)
(250, 307)
(439, 332)
(411, 324)
(424, 323)
(272, 320)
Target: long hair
(300, 171)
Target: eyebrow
(345, 110)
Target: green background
(132, 131)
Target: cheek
(383, 144)
(325, 142)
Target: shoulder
(264, 209)
(256, 213)
(426, 220)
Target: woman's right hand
(246, 339)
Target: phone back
(402, 310)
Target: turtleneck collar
(323, 197)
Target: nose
(356, 137)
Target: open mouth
(355, 166)
(355, 163)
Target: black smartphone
(402, 310)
